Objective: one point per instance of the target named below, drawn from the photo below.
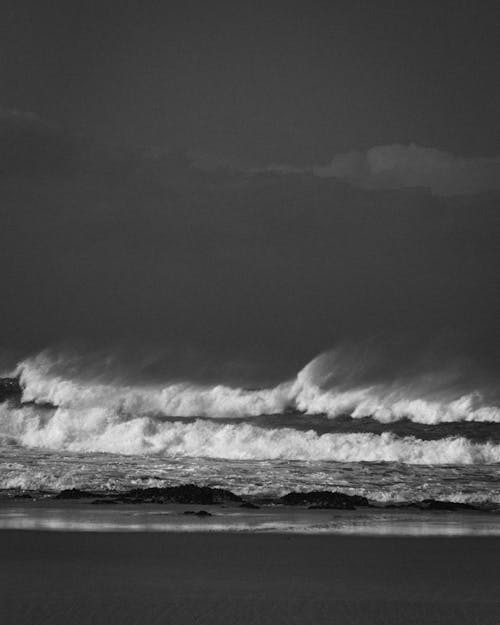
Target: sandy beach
(148, 578)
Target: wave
(331, 385)
(42, 383)
(99, 429)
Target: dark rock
(431, 504)
(200, 513)
(359, 500)
(186, 494)
(10, 388)
(249, 505)
(324, 499)
(74, 493)
(97, 502)
(436, 504)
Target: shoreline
(80, 516)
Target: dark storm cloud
(140, 246)
(30, 144)
(270, 81)
(399, 166)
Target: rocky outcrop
(191, 494)
(324, 499)
(436, 504)
(74, 493)
(200, 513)
(433, 505)
(10, 388)
(183, 494)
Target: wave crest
(99, 429)
(331, 384)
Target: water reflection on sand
(84, 518)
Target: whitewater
(324, 386)
(405, 439)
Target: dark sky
(291, 82)
(111, 234)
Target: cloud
(30, 144)
(242, 267)
(16, 116)
(400, 166)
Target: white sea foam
(324, 386)
(321, 388)
(102, 429)
(43, 383)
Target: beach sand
(71, 578)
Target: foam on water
(101, 429)
(326, 386)
(37, 470)
(110, 432)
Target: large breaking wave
(331, 384)
(88, 413)
(101, 429)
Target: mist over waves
(239, 276)
(82, 403)
(141, 287)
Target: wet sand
(96, 578)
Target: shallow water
(40, 470)
(84, 517)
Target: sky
(265, 81)
(244, 185)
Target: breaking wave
(99, 429)
(331, 384)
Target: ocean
(387, 443)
